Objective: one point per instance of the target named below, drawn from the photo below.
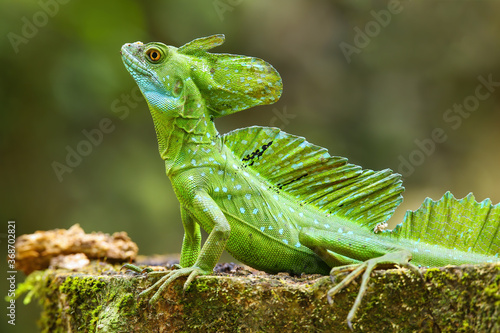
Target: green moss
(442, 277)
(94, 317)
(39, 284)
(126, 305)
(84, 295)
(211, 300)
(493, 289)
(32, 286)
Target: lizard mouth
(131, 53)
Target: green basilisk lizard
(275, 201)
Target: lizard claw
(134, 268)
(168, 277)
(137, 269)
(349, 323)
(388, 260)
(147, 270)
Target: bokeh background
(364, 97)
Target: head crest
(231, 83)
(202, 44)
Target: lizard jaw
(131, 56)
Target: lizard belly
(264, 226)
(265, 252)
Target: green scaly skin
(274, 201)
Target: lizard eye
(154, 55)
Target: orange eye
(154, 55)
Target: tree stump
(103, 298)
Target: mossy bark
(103, 299)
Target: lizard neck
(185, 136)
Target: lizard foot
(168, 277)
(137, 269)
(389, 260)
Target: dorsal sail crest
(465, 224)
(310, 175)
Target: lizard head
(191, 82)
(158, 73)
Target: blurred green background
(363, 79)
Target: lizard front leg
(191, 243)
(193, 264)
